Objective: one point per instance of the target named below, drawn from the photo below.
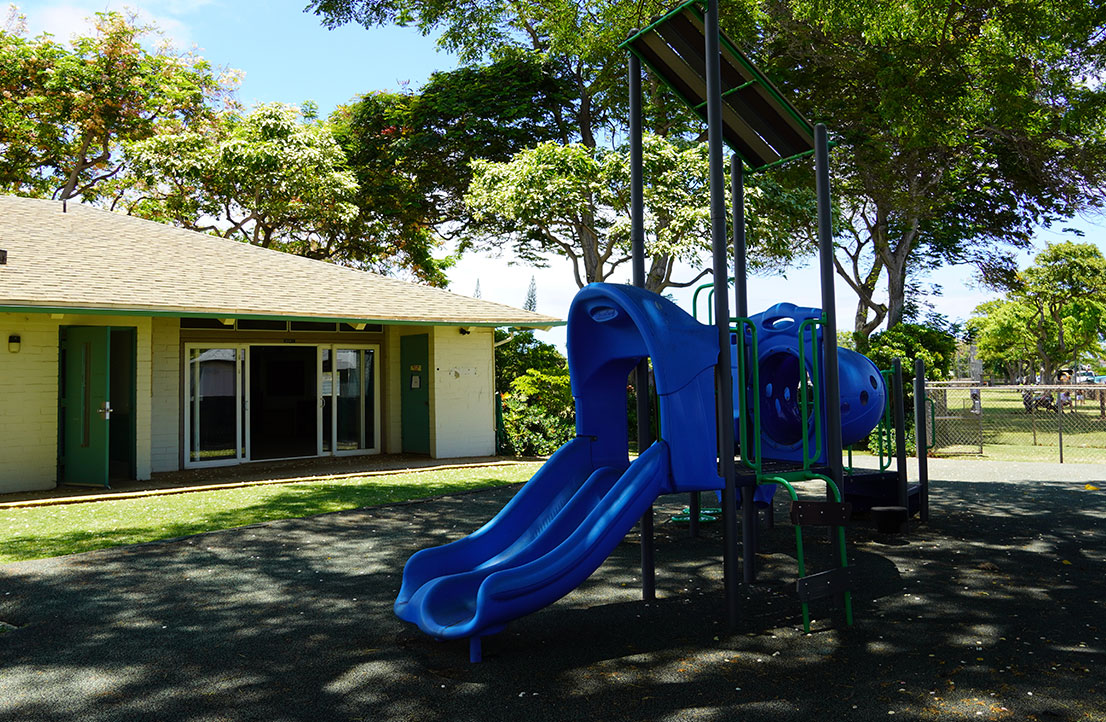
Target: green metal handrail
(710, 299)
(885, 428)
(738, 325)
(810, 456)
(695, 301)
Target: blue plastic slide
(544, 543)
(569, 517)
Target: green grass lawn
(49, 531)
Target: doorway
(283, 400)
(414, 357)
(96, 404)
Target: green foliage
(960, 127)
(572, 201)
(517, 352)
(486, 111)
(539, 413)
(64, 111)
(271, 177)
(909, 341)
(1053, 315)
(1004, 342)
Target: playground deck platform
(994, 610)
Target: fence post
(980, 409)
(1060, 422)
(1033, 414)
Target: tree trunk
(896, 294)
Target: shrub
(539, 414)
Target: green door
(414, 357)
(85, 407)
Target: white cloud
(64, 20)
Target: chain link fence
(1018, 423)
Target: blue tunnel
(782, 381)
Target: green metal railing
(810, 456)
(753, 461)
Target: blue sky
(288, 56)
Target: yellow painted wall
(29, 396)
(165, 393)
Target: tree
(1065, 293)
(274, 177)
(531, 302)
(960, 127)
(65, 111)
(581, 40)
(573, 201)
(518, 351)
(539, 413)
(1004, 343)
(410, 152)
(909, 341)
(1053, 315)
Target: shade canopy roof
(758, 122)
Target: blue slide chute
(571, 515)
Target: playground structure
(773, 386)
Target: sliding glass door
(348, 411)
(263, 402)
(213, 411)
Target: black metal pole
(829, 307)
(899, 414)
(721, 296)
(741, 309)
(921, 439)
(637, 250)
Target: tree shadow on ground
(998, 597)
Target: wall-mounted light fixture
(3, 257)
(464, 331)
(14, 343)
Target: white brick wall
(462, 415)
(462, 421)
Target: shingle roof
(94, 259)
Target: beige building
(129, 347)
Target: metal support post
(741, 309)
(719, 245)
(1059, 423)
(921, 439)
(900, 436)
(829, 305)
(637, 250)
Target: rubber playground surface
(994, 610)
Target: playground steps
(838, 582)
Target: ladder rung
(825, 584)
(821, 513)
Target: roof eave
(539, 323)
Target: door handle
(105, 410)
